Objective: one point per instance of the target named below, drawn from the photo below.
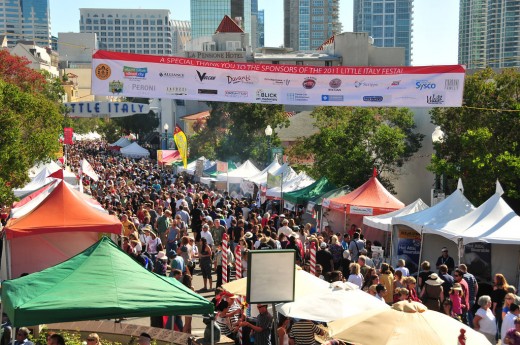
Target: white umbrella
(404, 323)
(332, 305)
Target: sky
(435, 24)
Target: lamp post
(268, 132)
(165, 127)
(438, 193)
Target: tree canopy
(352, 141)
(236, 131)
(481, 139)
(30, 118)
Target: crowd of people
(175, 226)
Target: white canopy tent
(122, 142)
(492, 222)
(454, 206)
(246, 170)
(134, 151)
(192, 166)
(384, 221)
(261, 178)
(52, 166)
(300, 181)
(38, 181)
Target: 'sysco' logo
(425, 85)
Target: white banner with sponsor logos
(134, 75)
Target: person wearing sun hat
(432, 293)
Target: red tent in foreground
(370, 199)
(61, 226)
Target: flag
(68, 133)
(222, 167)
(87, 169)
(182, 144)
(57, 174)
(273, 180)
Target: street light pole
(165, 127)
(439, 188)
(268, 132)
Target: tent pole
(173, 329)
(212, 324)
(8, 258)
(392, 245)
(420, 258)
(275, 323)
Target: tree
(481, 139)
(30, 118)
(352, 141)
(141, 124)
(236, 131)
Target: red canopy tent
(59, 227)
(370, 199)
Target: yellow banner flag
(182, 144)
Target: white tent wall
(34, 253)
(505, 259)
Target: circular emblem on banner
(103, 71)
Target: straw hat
(434, 280)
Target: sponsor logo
(297, 97)
(276, 81)
(135, 72)
(335, 84)
(373, 98)
(143, 87)
(115, 86)
(236, 94)
(207, 92)
(243, 79)
(103, 71)
(176, 90)
(396, 84)
(171, 75)
(309, 83)
(332, 98)
(268, 96)
(451, 84)
(425, 85)
(204, 76)
(363, 83)
(435, 98)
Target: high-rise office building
(489, 33)
(129, 30)
(308, 23)
(181, 34)
(388, 22)
(206, 16)
(27, 20)
(260, 33)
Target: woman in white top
(283, 330)
(484, 320)
(355, 276)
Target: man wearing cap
(285, 229)
(445, 259)
(176, 263)
(324, 258)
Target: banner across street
(134, 75)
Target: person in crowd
(472, 291)
(513, 335)
(144, 339)
(355, 276)
(205, 264)
(58, 339)
(177, 262)
(484, 320)
(206, 234)
(364, 267)
(93, 339)
(498, 296)
(447, 309)
(324, 258)
(432, 294)
(336, 250)
(160, 265)
(302, 332)
(187, 280)
(401, 266)
(448, 280)
(284, 324)
(458, 278)
(386, 278)
(509, 321)
(445, 259)
(457, 300)
(262, 329)
(410, 284)
(398, 280)
(381, 292)
(319, 271)
(508, 300)
(22, 337)
(401, 294)
(355, 247)
(424, 273)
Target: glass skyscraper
(26, 20)
(206, 16)
(308, 23)
(389, 22)
(489, 33)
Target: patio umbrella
(331, 305)
(404, 323)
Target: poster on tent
(153, 76)
(477, 256)
(409, 248)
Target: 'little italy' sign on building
(105, 109)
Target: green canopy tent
(301, 196)
(102, 282)
(317, 201)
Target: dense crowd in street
(174, 226)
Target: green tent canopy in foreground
(329, 195)
(102, 282)
(301, 196)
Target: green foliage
(481, 139)
(110, 130)
(141, 124)
(71, 338)
(236, 131)
(352, 141)
(84, 125)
